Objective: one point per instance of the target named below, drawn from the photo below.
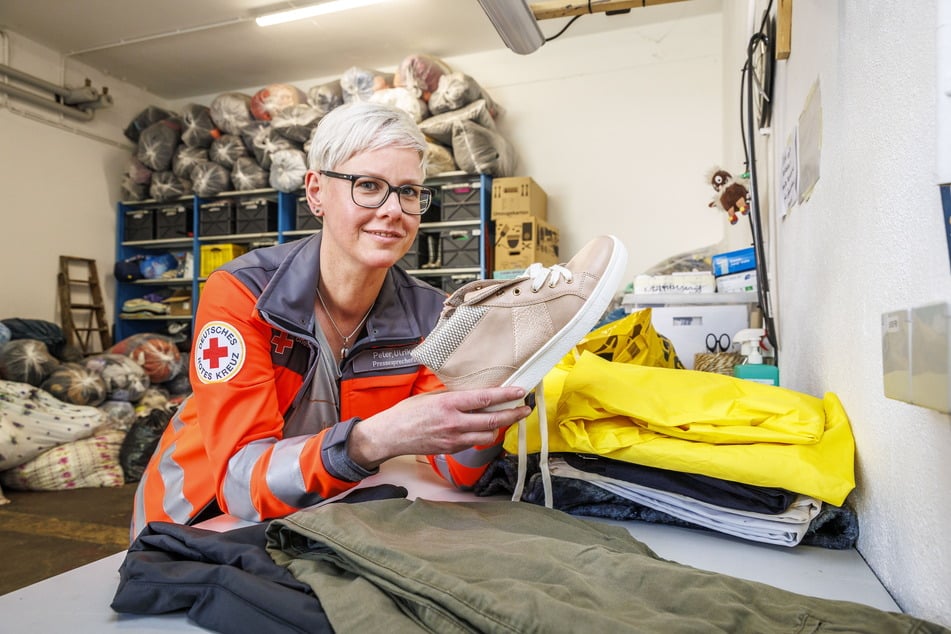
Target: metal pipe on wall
(39, 100)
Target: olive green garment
(408, 566)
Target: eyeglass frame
(392, 189)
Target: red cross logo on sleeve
(214, 353)
(281, 342)
(219, 352)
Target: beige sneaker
(512, 332)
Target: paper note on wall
(810, 142)
(789, 174)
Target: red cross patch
(219, 352)
(281, 342)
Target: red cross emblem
(281, 342)
(214, 353)
(219, 352)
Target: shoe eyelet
(516, 291)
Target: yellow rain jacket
(697, 422)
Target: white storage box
(687, 327)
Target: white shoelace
(543, 454)
(540, 274)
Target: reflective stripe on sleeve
(285, 478)
(237, 485)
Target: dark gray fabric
(835, 527)
(502, 567)
(224, 581)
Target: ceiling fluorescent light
(516, 24)
(313, 10)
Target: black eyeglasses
(372, 192)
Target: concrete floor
(43, 534)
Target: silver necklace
(346, 340)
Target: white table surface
(78, 601)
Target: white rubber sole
(547, 357)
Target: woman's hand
(436, 423)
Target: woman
(303, 382)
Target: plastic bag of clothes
(76, 384)
(26, 361)
(231, 111)
(404, 99)
(140, 443)
(456, 90)
(296, 123)
(247, 174)
(125, 379)
(325, 97)
(137, 171)
(227, 149)
(135, 180)
(144, 119)
(480, 150)
(210, 179)
(87, 463)
(157, 354)
(131, 191)
(420, 74)
(439, 128)
(358, 84)
(157, 144)
(33, 421)
(122, 413)
(274, 98)
(288, 168)
(168, 186)
(198, 129)
(46, 331)
(186, 158)
(439, 159)
(265, 141)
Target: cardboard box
(517, 196)
(744, 282)
(734, 262)
(522, 240)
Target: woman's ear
(312, 192)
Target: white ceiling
(182, 48)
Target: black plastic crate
(139, 225)
(306, 220)
(459, 248)
(451, 283)
(410, 261)
(461, 201)
(173, 222)
(258, 215)
(216, 218)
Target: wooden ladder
(80, 304)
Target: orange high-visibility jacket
(251, 436)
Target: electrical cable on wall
(762, 40)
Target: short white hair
(363, 126)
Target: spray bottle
(753, 367)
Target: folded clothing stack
(141, 305)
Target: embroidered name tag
(384, 359)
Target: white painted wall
(868, 241)
(59, 182)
